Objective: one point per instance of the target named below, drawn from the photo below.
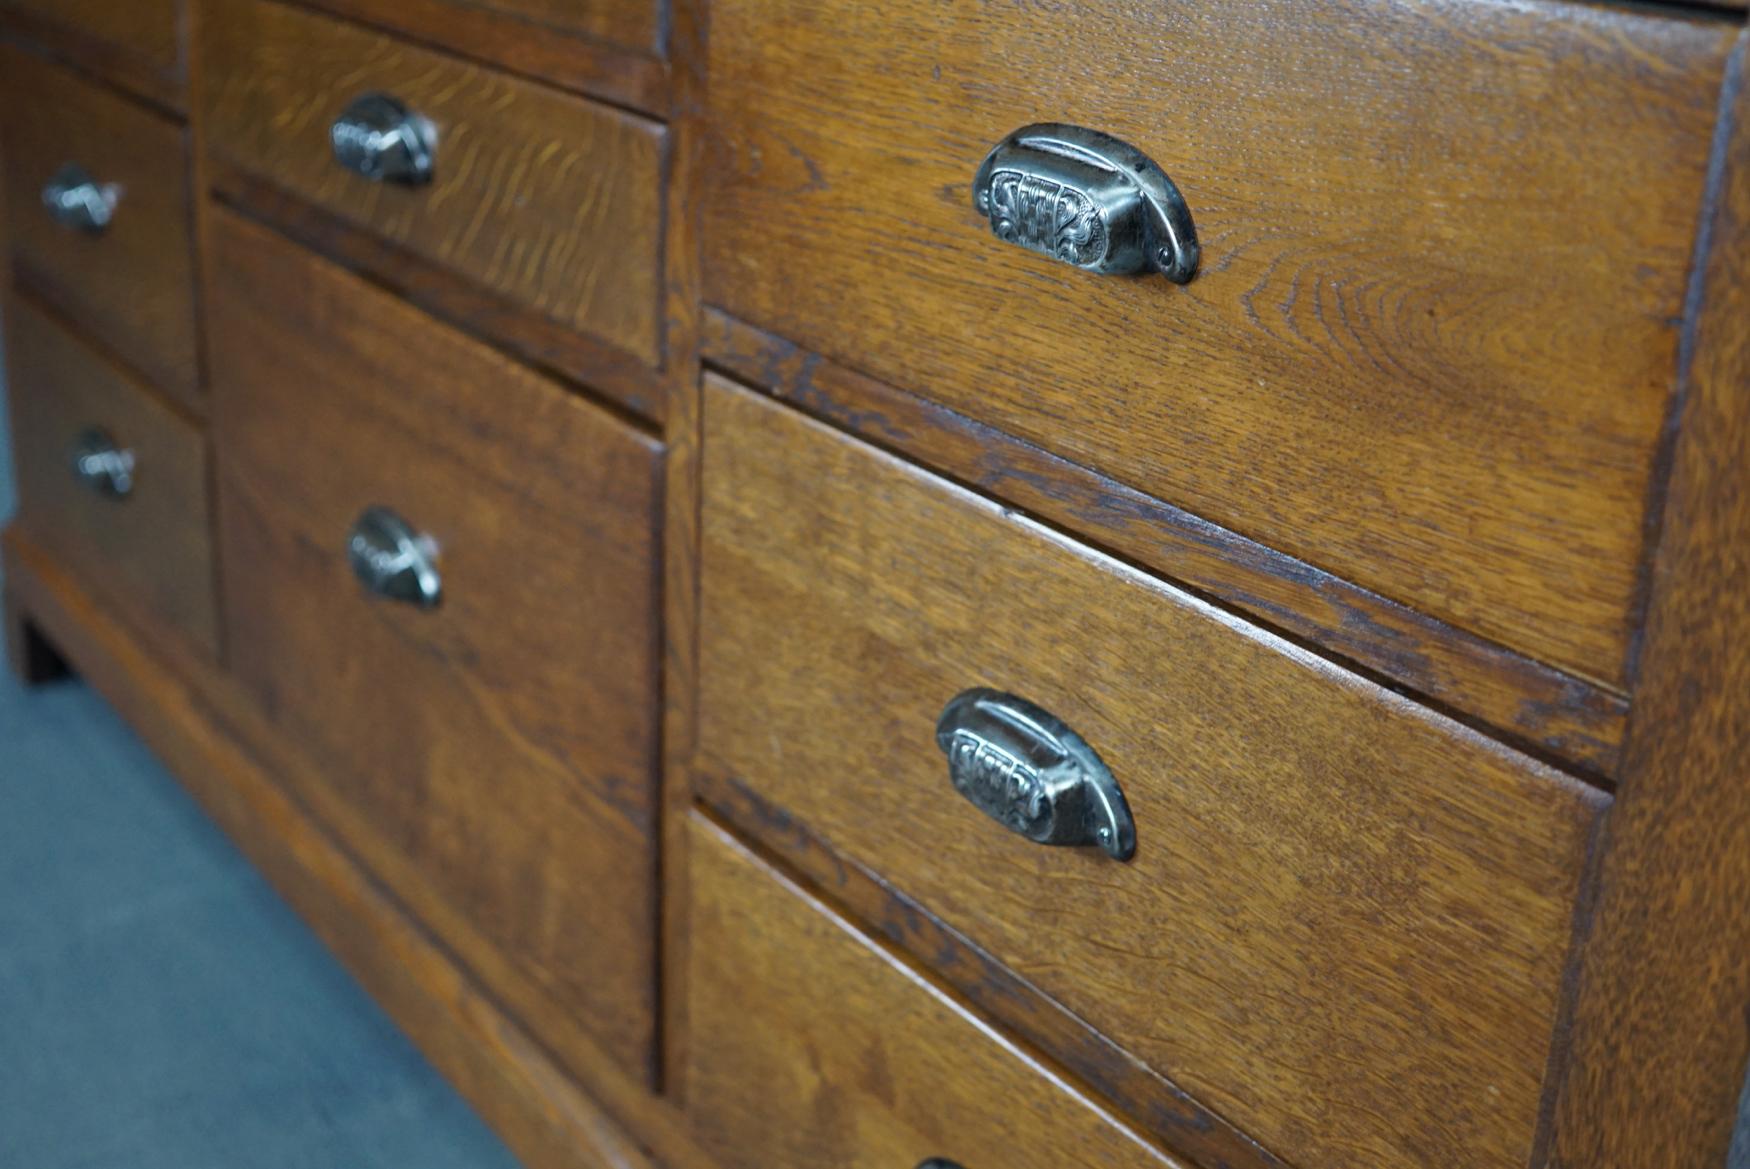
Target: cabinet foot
(31, 657)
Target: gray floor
(160, 1008)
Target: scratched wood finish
(150, 554)
(545, 197)
(133, 284)
(497, 36)
(1445, 244)
(812, 1046)
(1525, 700)
(505, 742)
(219, 745)
(1660, 1030)
(1346, 925)
(136, 43)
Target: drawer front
(1444, 250)
(133, 518)
(1345, 923)
(146, 30)
(808, 1045)
(131, 281)
(551, 200)
(630, 24)
(502, 742)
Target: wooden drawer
(1432, 342)
(132, 283)
(548, 199)
(499, 748)
(809, 1045)
(138, 40)
(149, 550)
(1345, 925)
(634, 24)
(629, 25)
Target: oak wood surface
(596, 367)
(134, 43)
(1012, 1003)
(133, 284)
(636, 24)
(683, 420)
(1662, 1023)
(219, 745)
(1346, 926)
(505, 742)
(150, 554)
(495, 35)
(1526, 701)
(1444, 256)
(542, 196)
(812, 1046)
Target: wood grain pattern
(541, 196)
(1445, 249)
(1346, 925)
(594, 366)
(1011, 1002)
(814, 1047)
(217, 743)
(682, 434)
(636, 24)
(1662, 1023)
(505, 743)
(135, 44)
(1526, 701)
(132, 285)
(492, 34)
(151, 554)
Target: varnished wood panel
(1524, 700)
(505, 742)
(1661, 1034)
(682, 432)
(135, 43)
(1346, 926)
(151, 553)
(219, 746)
(496, 35)
(811, 1046)
(1013, 1004)
(1430, 348)
(636, 24)
(133, 284)
(545, 197)
(595, 366)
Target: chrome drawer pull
(382, 140)
(1026, 770)
(102, 465)
(938, 1163)
(1087, 199)
(78, 201)
(393, 560)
